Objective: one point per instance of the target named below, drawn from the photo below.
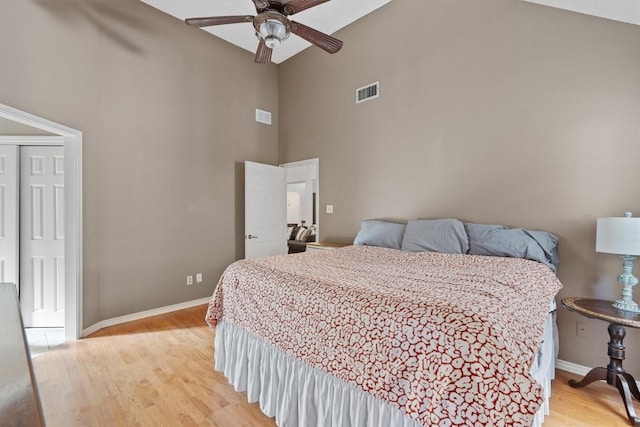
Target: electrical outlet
(189, 280)
(329, 209)
(199, 278)
(581, 329)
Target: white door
(265, 210)
(42, 236)
(9, 271)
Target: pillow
(303, 234)
(312, 233)
(498, 240)
(289, 232)
(436, 235)
(294, 233)
(549, 244)
(380, 233)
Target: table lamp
(621, 235)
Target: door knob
(249, 236)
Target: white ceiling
(328, 17)
(617, 10)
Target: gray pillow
(498, 240)
(436, 235)
(380, 233)
(549, 244)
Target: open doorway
(303, 197)
(21, 129)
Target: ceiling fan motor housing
(272, 27)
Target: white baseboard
(142, 315)
(574, 368)
(571, 367)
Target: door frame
(71, 139)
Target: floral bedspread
(448, 339)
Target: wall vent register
(263, 116)
(368, 92)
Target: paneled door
(9, 271)
(42, 236)
(265, 210)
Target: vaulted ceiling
(336, 14)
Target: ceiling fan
(272, 26)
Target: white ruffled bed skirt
(544, 366)
(298, 395)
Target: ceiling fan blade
(295, 6)
(322, 40)
(218, 20)
(263, 54)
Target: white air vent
(368, 92)
(263, 116)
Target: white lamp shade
(618, 235)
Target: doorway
(303, 193)
(19, 128)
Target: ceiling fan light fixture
(273, 32)
(272, 29)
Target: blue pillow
(498, 240)
(380, 233)
(436, 235)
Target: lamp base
(628, 281)
(626, 305)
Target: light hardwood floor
(159, 371)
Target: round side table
(614, 373)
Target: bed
(378, 336)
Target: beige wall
(167, 113)
(490, 111)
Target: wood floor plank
(159, 371)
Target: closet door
(9, 271)
(42, 236)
